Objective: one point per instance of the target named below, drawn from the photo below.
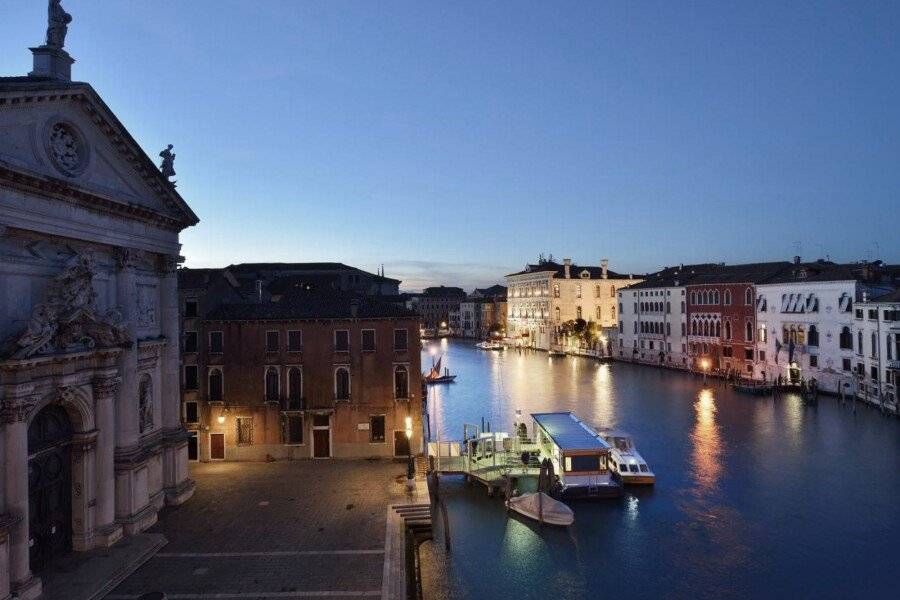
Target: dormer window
(585, 275)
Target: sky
(455, 141)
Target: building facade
(436, 304)
(309, 373)
(877, 371)
(545, 296)
(93, 445)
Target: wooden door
(217, 446)
(401, 443)
(321, 443)
(193, 450)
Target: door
(49, 486)
(321, 436)
(401, 443)
(217, 446)
(193, 449)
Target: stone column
(176, 479)
(83, 498)
(15, 414)
(105, 386)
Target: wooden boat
(435, 376)
(752, 387)
(542, 508)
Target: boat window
(622, 443)
(644, 468)
(583, 463)
(634, 468)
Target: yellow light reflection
(707, 452)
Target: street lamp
(410, 467)
(704, 364)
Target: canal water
(754, 497)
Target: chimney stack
(259, 290)
(567, 263)
(796, 260)
(604, 265)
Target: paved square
(267, 531)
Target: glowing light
(408, 428)
(221, 419)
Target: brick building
(302, 373)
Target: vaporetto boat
(625, 460)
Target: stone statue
(167, 166)
(145, 405)
(57, 24)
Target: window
(295, 389)
(271, 341)
(762, 333)
(748, 353)
(859, 340)
(597, 314)
(556, 290)
(215, 342)
(342, 340)
(846, 339)
(376, 429)
(216, 385)
(762, 356)
(190, 377)
(295, 341)
(401, 383)
(191, 412)
(272, 384)
(557, 314)
(693, 298)
(368, 340)
(590, 462)
(577, 312)
(612, 291)
(726, 351)
(683, 327)
(874, 373)
(612, 311)
(718, 329)
(813, 360)
(748, 297)
(873, 314)
(668, 329)
(748, 332)
(813, 337)
(578, 291)
(342, 383)
(727, 297)
(874, 345)
(244, 430)
(190, 309)
(293, 429)
(845, 364)
(596, 291)
(668, 307)
(401, 339)
(190, 341)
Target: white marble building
(91, 439)
(653, 319)
(545, 295)
(877, 371)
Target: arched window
(215, 385)
(748, 332)
(612, 291)
(706, 328)
(813, 337)
(596, 291)
(716, 297)
(846, 340)
(693, 298)
(727, 297)
(748, 297)
(295, 387)
(703, 297)
(694, 328)
(401, 382)
(668, 329)
(727, 330)
(342, 384)
(718, 329)
(272, 384)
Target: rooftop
(303, 304)
(559, 270)
(568, 432)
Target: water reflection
(707, 445)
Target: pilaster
(105, 387)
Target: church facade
(91, 440)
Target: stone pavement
(267, 531)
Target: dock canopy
(568, 432)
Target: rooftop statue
(57, 24)
(167, 166)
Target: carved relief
(17, 410)
(145, 404)
(67, 320)
(66, 148)
(106, 387)
(146, 305)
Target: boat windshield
(621, 444)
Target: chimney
(796, 260)
(354, 308)
(259, 290)
(567, 263)
(604, 265)
(865, 296)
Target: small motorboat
(626, 461)
(542, 508)
(555, 353)
(489, 345)
(435, 376)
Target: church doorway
(49, 486)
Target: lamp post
(410, 467)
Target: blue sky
(453, 142)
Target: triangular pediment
(76, 140)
